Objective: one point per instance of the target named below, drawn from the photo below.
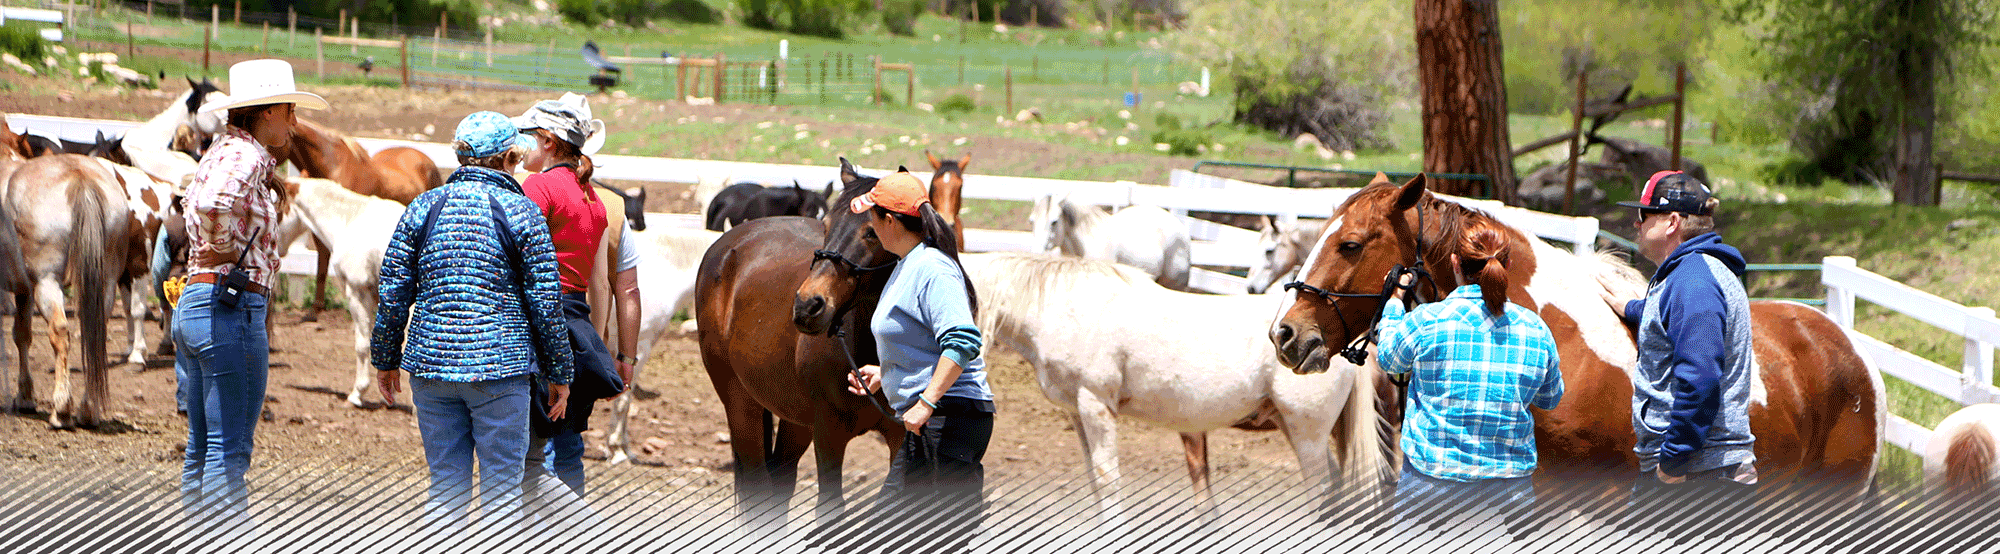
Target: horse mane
(1079, 215)
(1032, 278)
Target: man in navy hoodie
(1691, 403)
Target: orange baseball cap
(899, 192)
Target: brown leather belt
(213, 278)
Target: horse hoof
(355, 401)
(136, 359)
(618, 457)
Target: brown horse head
(850, 259)
(948, 188)
(1380, 228)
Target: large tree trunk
(1464, 95)
(1916, 177)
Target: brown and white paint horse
(398, 174)
(1818, 408)
(1962, 457)
(63, 219)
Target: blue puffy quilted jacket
(461, 302)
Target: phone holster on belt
(230, 291)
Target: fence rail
(1971, 384)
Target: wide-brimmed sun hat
(263, 82)
(569, 118)
(898, 192)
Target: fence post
(1010, 89)
(1839, 301)
(149, 12)
(267, 37)
(822, 79)
(319, 52)
(239, 12)
(548, 58)
(340, 25)
(291, 28)
(910, 85)
(215, 19)
(406, 62)
(1107, 71)
(354, 32)
(1978, 376)
(720, 68)
(206, 38)
(876, 61)
(961, 70)
(489, 47)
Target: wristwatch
(627, 359)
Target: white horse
(1145, 237)
(356, 230)
(1106, 341)
(150, 146)
(1285, 242)
(1961, 455)
(668, 258)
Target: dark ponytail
(938, 234)
(1482, 260)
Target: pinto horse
(1817, 409)
(783, 305)
(948, 190)
(399, 174)
(63, 217)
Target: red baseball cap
(898, 192)
(1672, 191)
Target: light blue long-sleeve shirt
(925, 313)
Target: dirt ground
(307, 418)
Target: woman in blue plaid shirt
(1476, 362)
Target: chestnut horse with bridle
(783, 304)
(398, 173)
(1818, 409)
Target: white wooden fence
(36, 14)
(1970, 385)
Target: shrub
(23, 42)
(580, 11)
(957, 103)
(691, 11)
(900, 16)
(1183, 142)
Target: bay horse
(1818, 408)
(1107, 342)
(1284, 242)
(1962, 458)
(948, 190)
(1145, 237)
(783, 305)
(398, 173)
(355, 229)
(63, 217)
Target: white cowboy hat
(261, 82)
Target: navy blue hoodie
(1691, 404)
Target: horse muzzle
(1303, 351)
(811, 314)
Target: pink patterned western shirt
(228, 201)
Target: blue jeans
(227, 356)
(161, 265)
(1427, 498)
(485, 421)
(561, 455)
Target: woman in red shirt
(557, 134)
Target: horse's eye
(1350, 246)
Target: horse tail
(1482, 259)
(90, 251)
(1364, 445)
(1968, 462)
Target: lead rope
(854, 368)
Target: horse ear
(829, 191)
(934, 161)
(964, 162)
(1411, 193)
(847, 174)
(1271, 222)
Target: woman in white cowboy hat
(232, 206)
(558, 137)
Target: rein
(1356, 350)
(840, 335)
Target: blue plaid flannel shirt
(1472, 383)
